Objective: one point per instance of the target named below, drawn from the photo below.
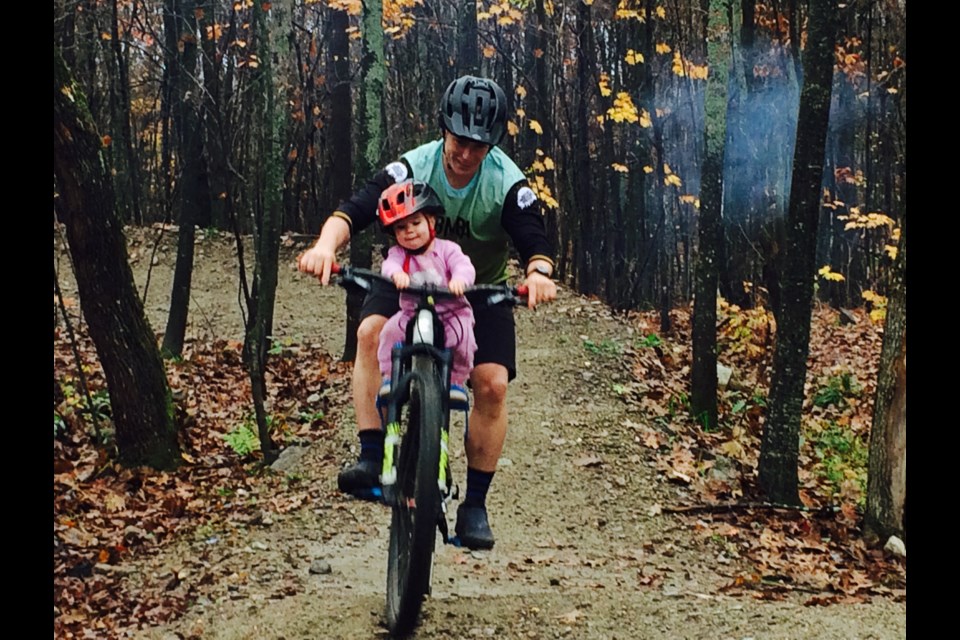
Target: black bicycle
(416, 480)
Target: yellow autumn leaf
(891, 89)
(489, 51)
(105, 35)
(600, 119)
(827, 274)
(661, 13)
(536, 127)
(622, 168)
(891, 250)
(663, 47)
(666, 169)
(548, 163)
(604, 85)
(521, 91)
(673, 179)
(645, 120)
(537, 166)
(521, 112)
(698, 72)
(874, 298)
(623, 109)
(678, 68)
(688, 199)
(512, 128)
(648, 169)
(633, 57)
(543, 192)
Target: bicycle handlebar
(364, 278)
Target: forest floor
(615, 515)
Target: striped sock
(371, 445)
(478, 483)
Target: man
(488, 203)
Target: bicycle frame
(420, 397)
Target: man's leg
(485, 438)
(488, 419)
(366, 373)
(362, 479)
(495, 366)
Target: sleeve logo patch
(397, 171)
(526, 197)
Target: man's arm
(351, 216)
(523, 222)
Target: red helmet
(403, 199)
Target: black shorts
(495, 329)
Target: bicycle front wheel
(413, 525)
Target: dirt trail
(579, 553)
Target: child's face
(413, 232)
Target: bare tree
(779, 452)
(143, 410)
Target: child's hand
(401, 280)
(457, 286)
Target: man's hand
(401, 280)
(540, 288)
(318, 260)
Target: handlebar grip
(335, 268)
(522, 290)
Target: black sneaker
(472, 527)
(361, 480)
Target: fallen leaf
(571, 617)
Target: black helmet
(474, 108)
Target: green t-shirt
(473, 213)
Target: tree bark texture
(779, 450)
(186, 122)
(468, 61)
(703, 374)
(588, 258)
(370, 144)
(142, 406)
(887, 467)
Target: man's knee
(368, 333)
(490, 385)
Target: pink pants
(458, 328)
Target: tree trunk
(267, 216)
(886, 512)
(143, 411)
(581, 154)
(468, 62)
(369, 145)
(123, 114)
(703, 375)
(190, 152)
(779, 450)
